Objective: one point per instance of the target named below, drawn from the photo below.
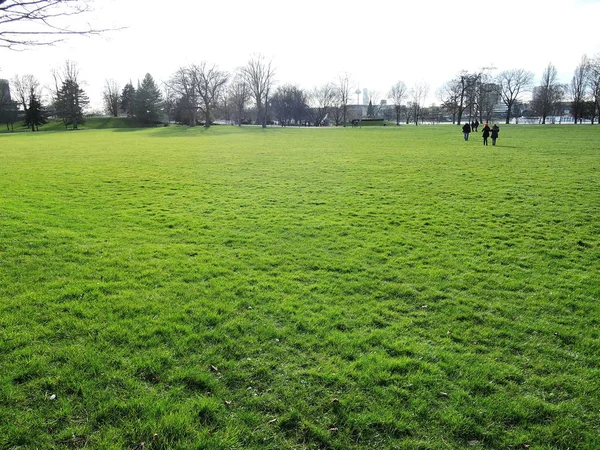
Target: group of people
(486, 132)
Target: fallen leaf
(444, 394)
(335, 400)
(214, 368)
(272, 421)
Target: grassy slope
(91, 123)
(221, 288)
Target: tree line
(477, 94)
(200, 94)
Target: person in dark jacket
(486, 134)
(466, 129)
(475, 125)
(495, 132)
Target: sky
(311, 42)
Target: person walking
(475, 125)
(486, 134)
(466, 129)
(494, 134)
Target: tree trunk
(207, 116)
(264, 124)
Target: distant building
(4, 92)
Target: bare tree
(488, 96)
(321, 99)
(548, 95)
(238, 94)
(464, 85)
(169, 101)
(579, 87)
(594, 82)
(23, 87)
(183, 84)
(418, 94)
(397, 94)
(343, 96)
(26, 23)
(210, 82)
(337, 109)
(111, 96)
(259, 76)
(449, 95)
(512, 84)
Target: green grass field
(300, 289)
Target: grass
(91, 123)
(300, 288)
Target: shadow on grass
(174, 131)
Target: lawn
(229, 288)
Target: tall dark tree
(370, 109)
(127, 100)
(69, 98)
(35, 115)
(148, 101)
(26, 23)
(70, 102)
(289, 104)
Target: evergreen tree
(148, 101)
(35, 114)
(70, 101)
(370, 110)
(127, 103)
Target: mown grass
(309, 288)
(91, 123)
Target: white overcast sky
(312, 41)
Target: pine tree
(148, 101)
(127, 103)
(70, 101)
(35, 114)
(370, 110)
